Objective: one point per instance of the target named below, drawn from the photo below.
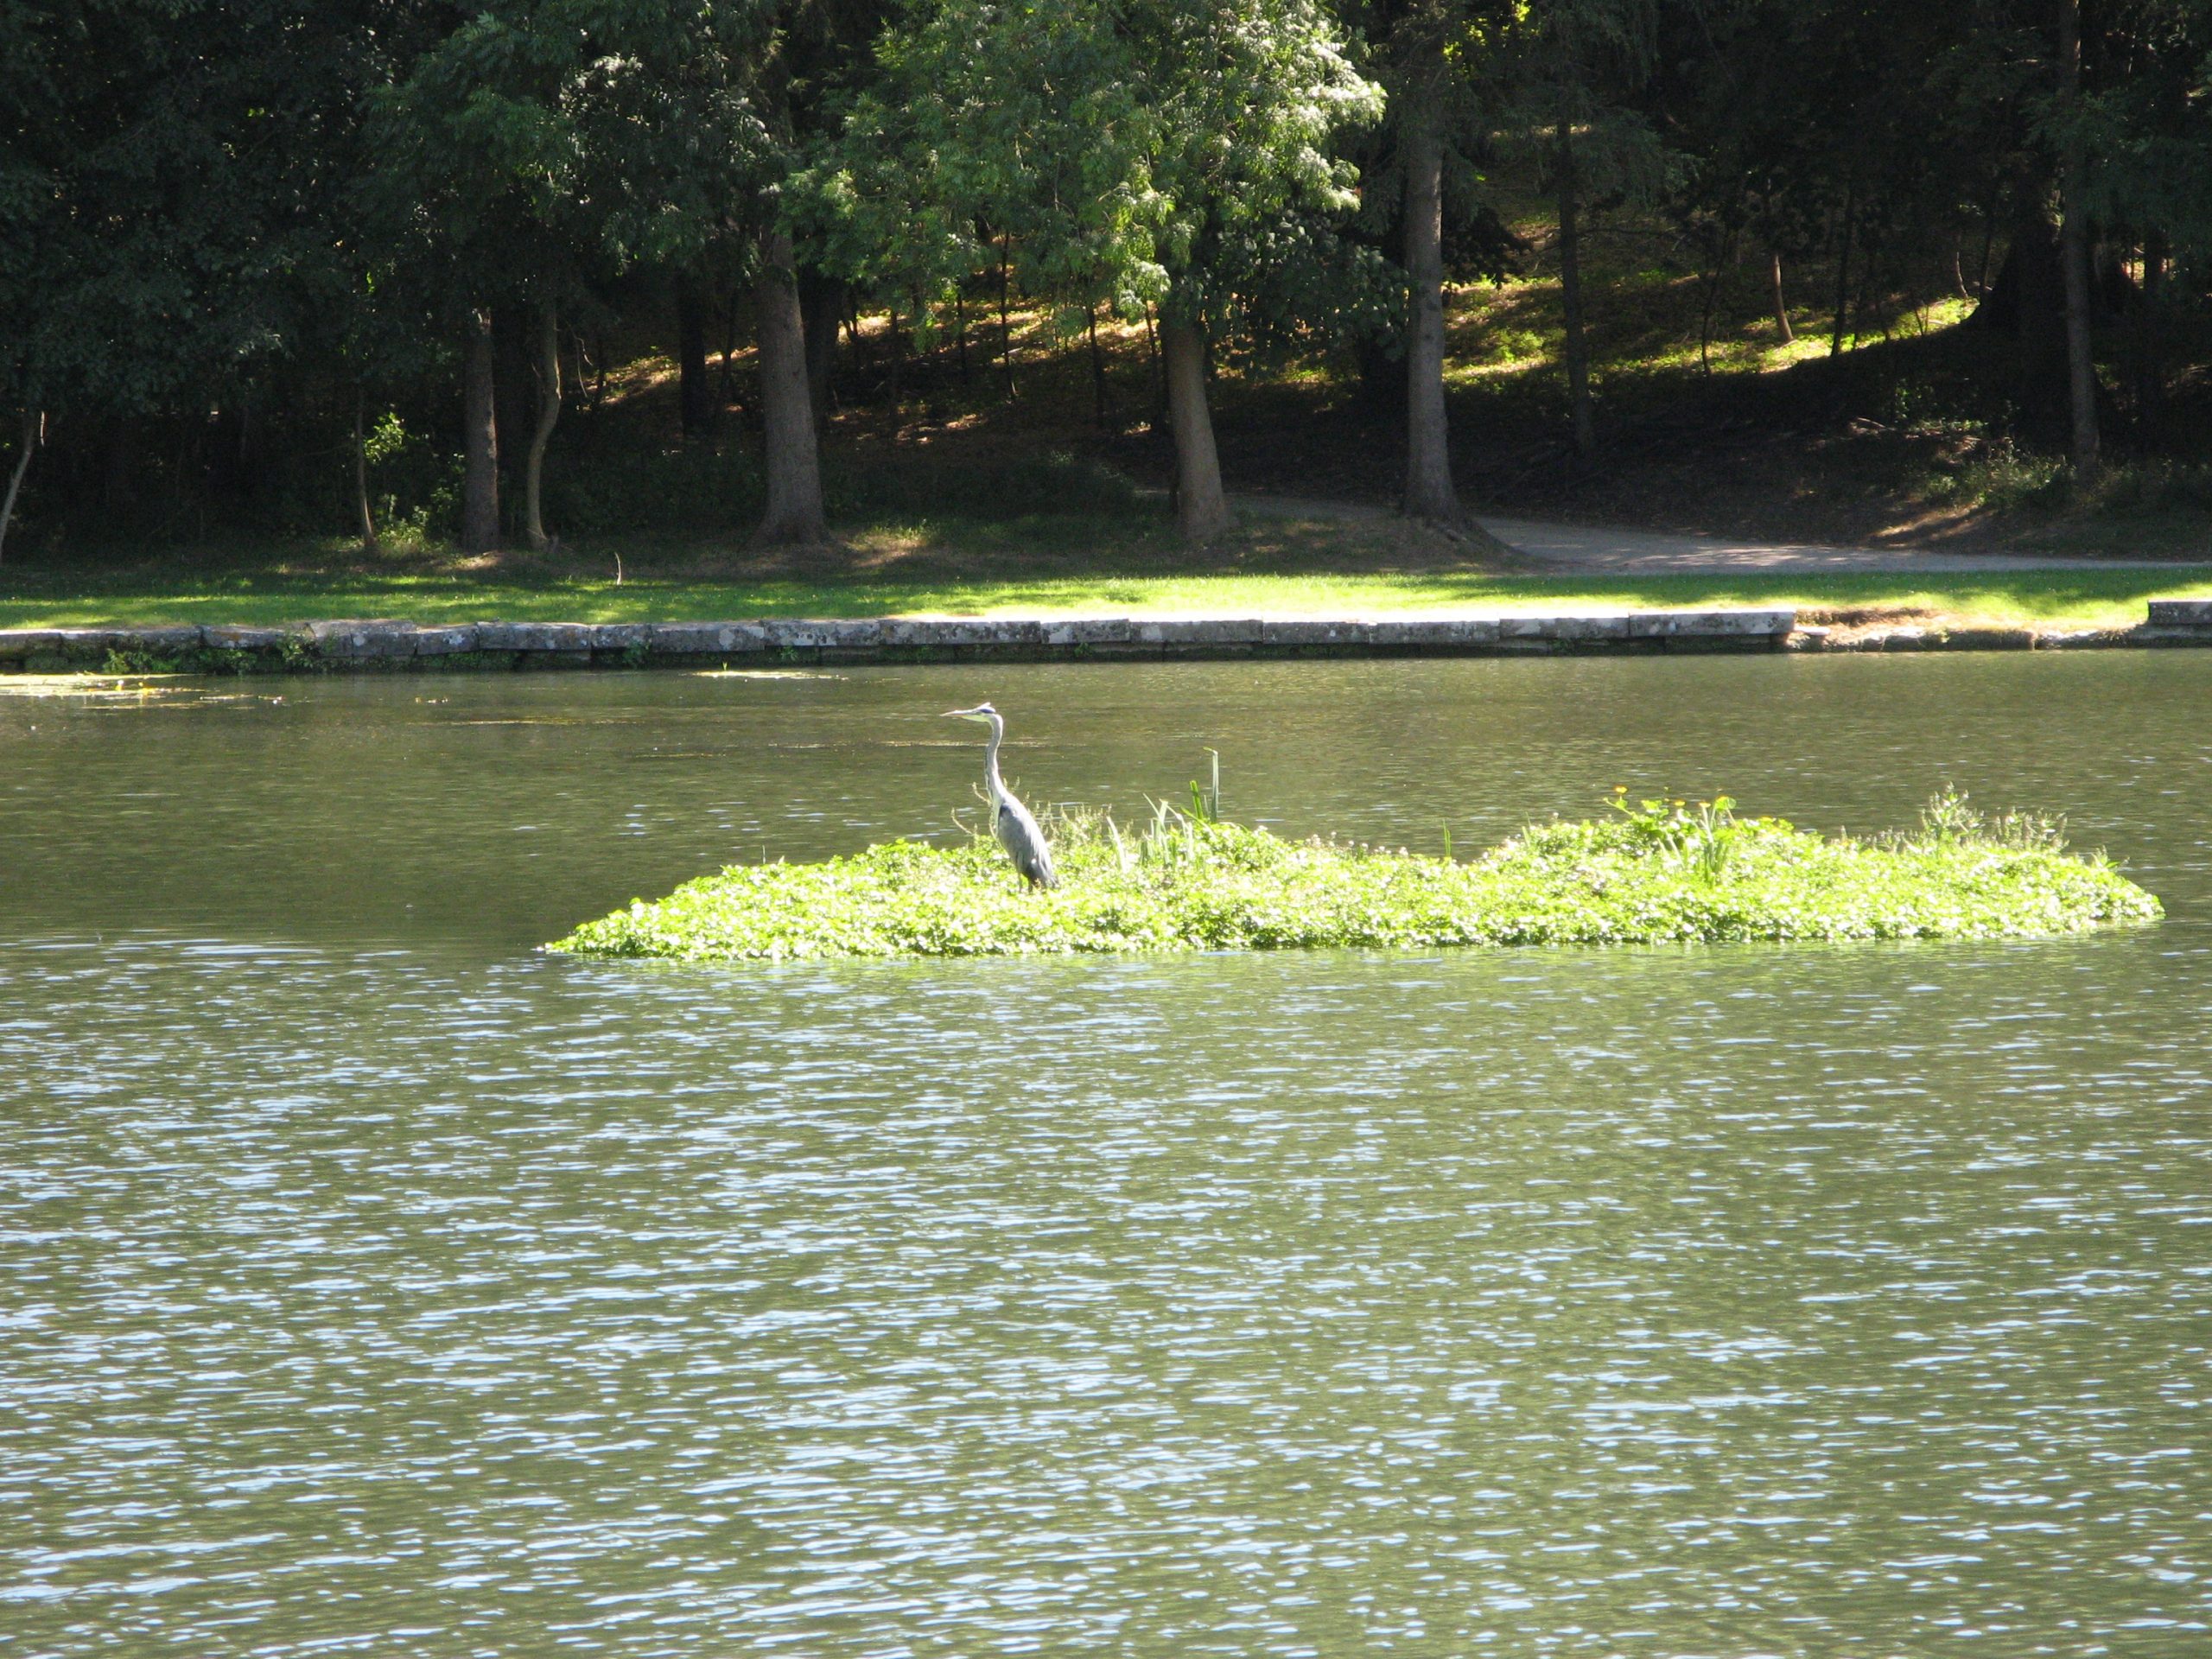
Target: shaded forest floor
(1910, 436)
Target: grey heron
(1010, 820)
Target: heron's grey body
(1010, 820)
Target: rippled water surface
(370, 1283)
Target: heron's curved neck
(991, 758)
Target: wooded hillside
(382, 268)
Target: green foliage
(1169, 153)
(532, 141)
(1661, 873)
(1949, 819)
(386, 439)
(1695, 840)
(137, 662)
(165, 174)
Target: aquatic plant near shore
(1658, 873)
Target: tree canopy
(232, 230)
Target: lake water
(373, 1284)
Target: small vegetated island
(1648, 872)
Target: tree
(536, 146)
(2074, 246)
(1435, 56)
(1574, 65)
(1163, 153)
(477, 174)
(1429, 492)
(793, 516)
(2141, 129)
(821, 58)
(162, 193)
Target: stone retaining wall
(367, 645)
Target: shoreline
(366, 645)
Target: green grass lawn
(2077, 598)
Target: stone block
(1090, 631)
(448, 641)
(1188, 632)
(224, 636)
(621, 636)
(534, 637)
(705, 639)
(1565, 629)
(2181, 613)
(2149, 634)
(158, 641)
(86, 642)
(932, 633)
(801, 633)
(1310, 631)
(15, 643)
(1435, 633)
(1812, 637)
(1990, 640)
(2080, 638)
(362, 639)
(1722, 624)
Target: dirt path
(1651, 552)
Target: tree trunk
(1429, 495)
(548, 376)
(1159, 375)
(1201, 508)
(2074, 254)
(361, 480)
(696, 395)
(1097, 373)
(794, 516)
(898, 355)
(480, 490)
(2027, 299)
(821, 302)
(1006, 320)
(581, 370)
(1570, 288)
(725, 377)
(1843, 269)
(34, 426)
(1707, 281)
(1781, 306)
(511, 346)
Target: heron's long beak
(960, 713)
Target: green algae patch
(1660, 873)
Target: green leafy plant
(136, 662)
(1658, 873)
(1699, 839)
